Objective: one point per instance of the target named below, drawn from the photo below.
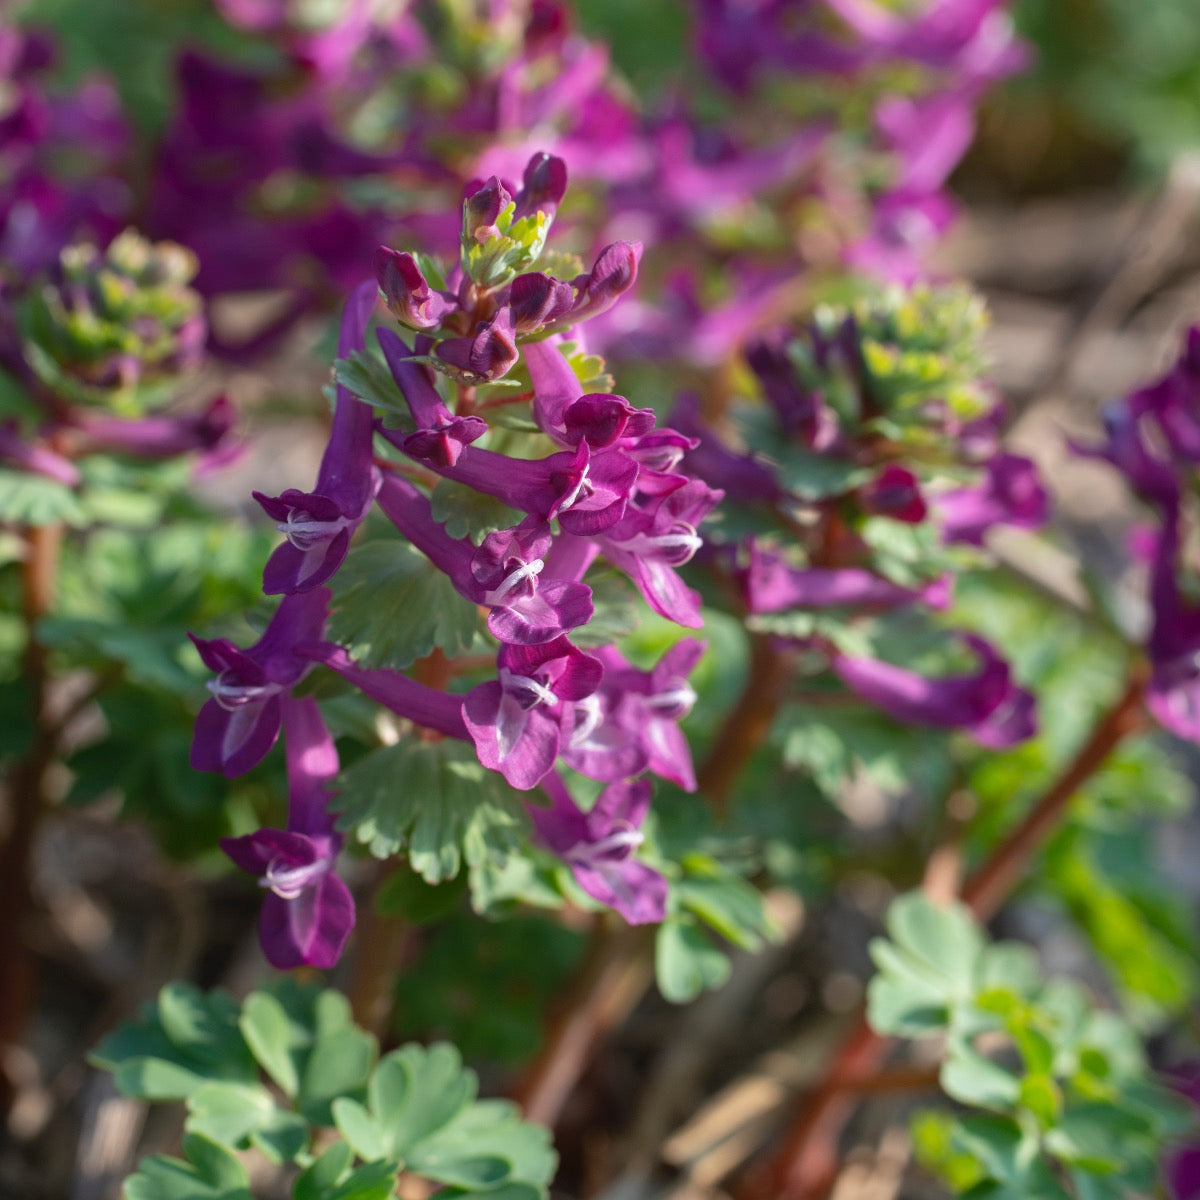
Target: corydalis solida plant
(485, 405)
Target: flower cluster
(875, 453)
(101, 344)
(596, 479)
(61, 159)
(1153, 439)
(829, 131)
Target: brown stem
(28, 793)
(806, 1164)
(987, 889)
(747, 726)
(611, 980)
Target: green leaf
(207, 1172)
(366, 374)
(306, 1040)
(435, 800)
(726, 903)
(415, 1091)
(29, 499)
(815, 476)
(928, 967)
(268, 1032)
(422, 1110)
(972, 1078)
(944, 940)
(184, 1040)
(330, 1178)
(468, 513)
(238, 1115)
(392, 606)
(686, 961)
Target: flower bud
(407, 294)
(537, 299)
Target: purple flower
(486, 354)
(236, 728)
(562, 411)
(440, 435)
(407, 698)
(769, 584)
(537, 299)
(987, 704)
(405, 291)
(650, 543)
(1174, 402)
(29, 456)
(542, 186)
(802, 413)
(895, 492)
(319, 524)
(519, 720)
(505, 572)
(612, 275)
(742, 478)
(1173, 695)
(631, 723)
(587, 492)
(206, 432)
(309, 912)
(1011, 494)
(1150, 476)
(599, 846)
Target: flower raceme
(592, 479)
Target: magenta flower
(563, 412)
(649, 543)
(631, 723)
(1010, 494)
(408, 296)
(987, 704)
(769, 584)
(407, 698)
(319, 524)
(206, 432)
(599, 846)
(895, 492)
(519, 721)
(505, 573)
(440, 435)
(1173, 695)
(587, 492)
(30, 456)
(309, 912)
(486, 354)
(236, 728)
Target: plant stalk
(806, 1164)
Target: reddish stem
(610, 982)
(747, 726)
(806, 1164)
